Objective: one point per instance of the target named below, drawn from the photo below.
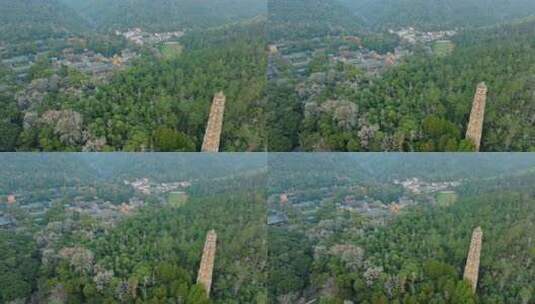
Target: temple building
(212, 136)
(475, 126)
(207, 262)
(471, 270)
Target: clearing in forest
(171, 50)
(443, 48)
(177, 199)
(446, 198)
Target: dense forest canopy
(80, 231)
(72, 81)
(180, 92)
(155, 93)
(328, 252)
(159, 103)
(331, 254)
(167, 271)
(419, 257)
(422, 103)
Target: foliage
(10, 123)
(289, 261)
(417, 256)
(421, 105)
(163, 104)
(154, 256)
(19, 260)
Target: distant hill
(302, 170)
(31, 171)
(292, 19)
(439, 13)
(165, 14)
(22, 20)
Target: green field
(177, 199)
(443, 48)
(446, 198)
(171, 50)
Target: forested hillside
(309, 170)
(420, 257)
(438, 92)
(94, 228)
(293, 19)
(420, 105)
(18, 267)
(23, 20)
(125, 268)
(160, 103)
(336, 245)
(28, 171)
(438, 14)
(31, 20)
(119, 265)
(162, 15)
